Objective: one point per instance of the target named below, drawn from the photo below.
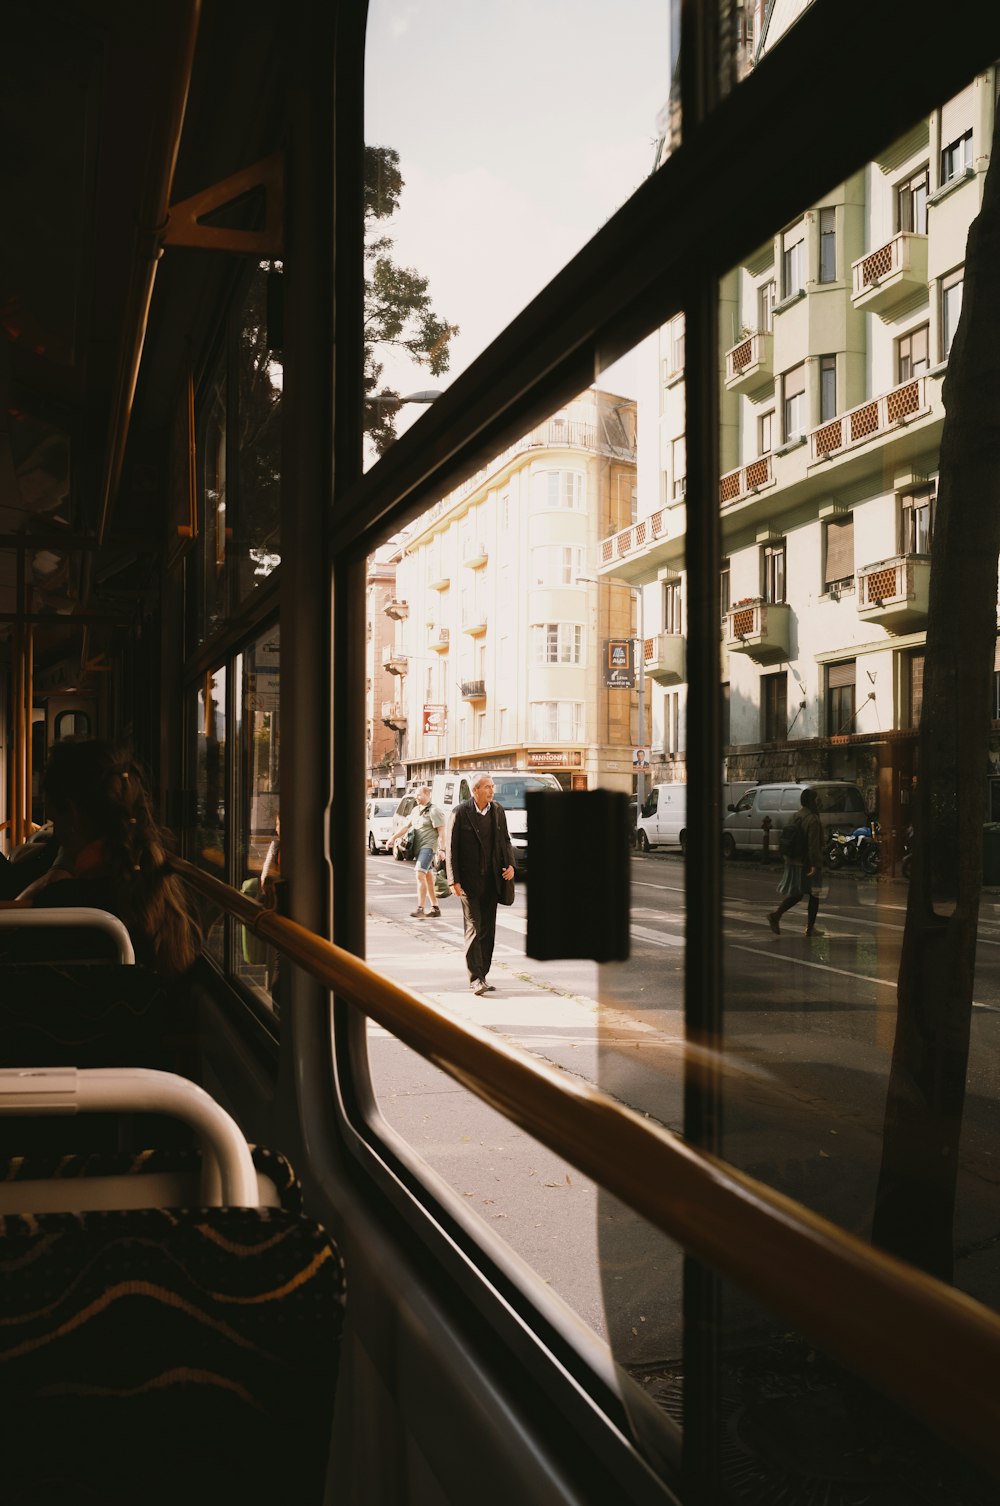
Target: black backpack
(792, 842)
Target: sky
(521, 127)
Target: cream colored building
(836, 335)
(499, 662)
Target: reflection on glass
(212, 502)
(748, 31)
(257, 751)
(257, 548)
(467, 218)
(209, 753)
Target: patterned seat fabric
(156, 1355)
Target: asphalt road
(808, 1029)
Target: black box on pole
(578, 891)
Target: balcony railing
(890, 273)
(895, 592)
(760, 629)
(473, 690)
(663, 658)
(750, 364)
(393, 661)
(747, 480)
(633, 540)
(399, 610)
(475, 554)
(877, 416)
(439, 640)
(474, 621)
(394, 713)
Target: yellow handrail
(888, 1321)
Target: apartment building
(836, 336)
(381, 734)
(502, 622)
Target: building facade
(499, 661)
(836, 336)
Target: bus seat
(158, 1178)
(75, 934)
(162, 1355)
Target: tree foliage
(398, 311)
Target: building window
(828, 245)
(671, 722)
(840, 697)
(678, 467)
(557, 643)
(504, 511)
(913, 683)
(672, 618)
(793, 260)
(951, 307)
(676, 344)
(916, 511)
(558, 490)
(765, 307)
(479, 730)
(726, 720)
(765, 433)
(557, 721)
(774, 572)
(956, 158)
(996, 703)
(827, 388)
(839, 567)
(911, 203)
(793, 389)
(912, 353)
(725, 588)
(555, 565)
(774, 706)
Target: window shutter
(958, 116)
(838, 675)
(839, 550)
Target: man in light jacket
(479, 856)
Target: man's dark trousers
(480, 915)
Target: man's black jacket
(479, 848)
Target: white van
(509, 789)
(841, 808)
(663, 819)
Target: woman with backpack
(800, 844)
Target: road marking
(820, 967)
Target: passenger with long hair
(112, 852)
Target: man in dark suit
(479, 856)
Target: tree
(398, 309)
(917, 1182)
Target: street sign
(435, 720)
(619, 664)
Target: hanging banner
(619, 663)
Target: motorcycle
(860, 849)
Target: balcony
(747, 481)
(474, 621)
(877, 417)
(399, 610)
(475, 554)
(473, 690)
(663, 658)
(888, 276)
(760, 629)
(394, 715)
(440, 582)
(438, 640)
(634, 540)
(750, 365)
(895, 592)
(393, 661)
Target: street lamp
(614, 580)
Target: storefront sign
(558, 760)
(619, 664)
(435, 720)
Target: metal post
(640, 776)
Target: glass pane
(207, 844)
(478, 193)
(257, 548)
(257, 748)
(748, 31)
(210, 561)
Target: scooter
(860, 849)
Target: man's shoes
(416, 914)
(478, 986)
(772, 921)
(814, 931)
(489, 988)
(431, 914)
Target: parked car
(384, 814)
(841, 808)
